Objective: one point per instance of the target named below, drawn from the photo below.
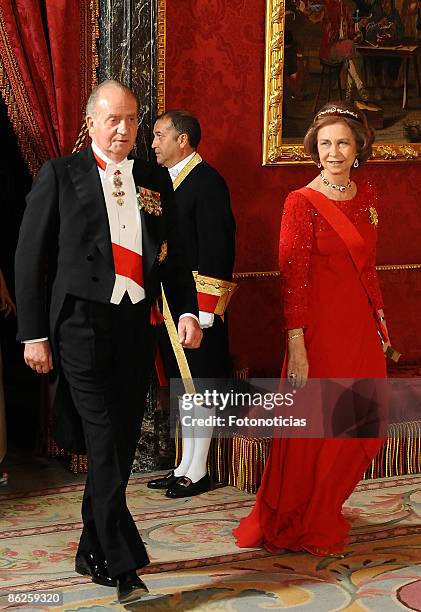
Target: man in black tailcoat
(207, 229)
(96, 240)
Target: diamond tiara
(333, 111)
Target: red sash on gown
(349, 234)
(306, 481)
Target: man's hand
(189, 332)
(38, 356)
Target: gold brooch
(149, 201)
(163, 252)
(374, 217)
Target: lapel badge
(149, 201)
(163, 252)
(374, 217)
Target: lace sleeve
(295, 245)
(371, 273)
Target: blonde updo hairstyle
(332, 112)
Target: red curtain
(47, 69)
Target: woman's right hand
(297, 362)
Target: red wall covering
(214, 67)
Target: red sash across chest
(128, 263)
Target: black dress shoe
(130, 587)
(163, 483)
(89, 564)
(184, 487)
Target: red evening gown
(306, 481)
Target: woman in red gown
(332, 332)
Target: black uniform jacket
(65, 248)
(206, 222)
(207, 228)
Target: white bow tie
(125, 167)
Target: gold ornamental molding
(276, 273)
(273, 95)
(276, 152)
(161, 46)
(399, 267)
(251, 275)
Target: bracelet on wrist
(297, 335)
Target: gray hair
(92, 100)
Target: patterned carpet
(196, 565)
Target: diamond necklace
(341, 188)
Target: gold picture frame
(161, 49)
(277, 152)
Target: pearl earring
(319, 165)
(356, 163)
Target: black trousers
(106, 353)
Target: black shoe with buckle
(130, 587)
(163, 483)
(184, 487)
(95, 566)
